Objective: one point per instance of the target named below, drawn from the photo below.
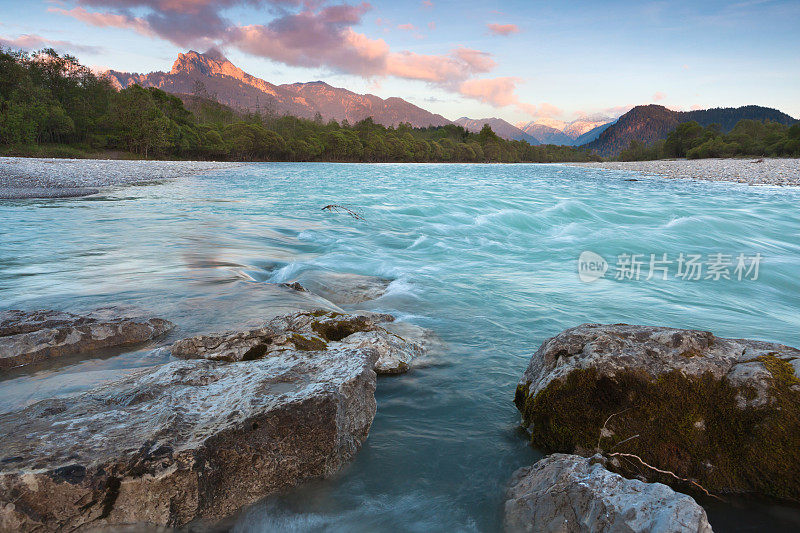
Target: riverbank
(63, 178)
(484, 256)
(771, 171)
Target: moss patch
(692, 426)
(339, 327)
(307, 343)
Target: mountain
(552, 131)
(582, 126)
(502, 128)
(546, 134)
(211, 74)
(592, 134)
(649, 123)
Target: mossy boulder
(722, 412)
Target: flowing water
(484, 255)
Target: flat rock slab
(32, 336)
(309, 331)
(721, 412)
(572, 494)
(194, 439)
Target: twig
(673, 474)
(335, 208)
(623, 441)
(600, 437)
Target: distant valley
(211, 75)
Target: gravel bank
(22, 177)
(766, 172)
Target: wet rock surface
(193, 439)
(32, 336)
(572, 494)
(308, 331)
(723, 412)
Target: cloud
(476, 60)
(501, 92)
(659, 96)
(106, 19)
(307, 33)
(427, 4)
(37, 42)
(502, 29)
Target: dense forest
(52, 105)
(647, 124)
(748, 138)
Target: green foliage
(46, 98)
(748, 138)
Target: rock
(193, 439)
(32, 336)
(569, 493)
(315, 330)
(723, 412)
(394, 353)
(342, 288)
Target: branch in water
(334, 208)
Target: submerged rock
(32, 336)
(572, 494)
(723, 412)
(342, 288)
(308, 331)
(195, 438)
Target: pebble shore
(756, 171)
(22, 177)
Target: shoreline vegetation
(52, 106)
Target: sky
(517, 60)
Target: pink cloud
(431, 25)
(476, 60)
(659, 96)
(502, 29)
(36, 42)
(501, 92)
(308, 33)
(106, 19)
(427, 4)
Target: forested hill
(650, 123)
(51, 105)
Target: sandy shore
(22, 177)
(766, 172)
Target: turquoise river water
(484, 255)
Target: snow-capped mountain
(574, 133)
